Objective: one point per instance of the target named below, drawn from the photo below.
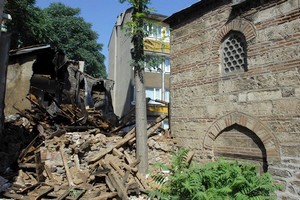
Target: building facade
(156, 78)
(235, 84)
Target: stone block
(296, 183)
(288, 78)
(280, 172)
(242, 97)
(264, 95)
(290, 150)
(288, 137)
(274, 11)
(297, 92)
(228, 86)
(289, 106)
(290, 126)
(218, 110)
(256, 108)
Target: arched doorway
(240, 143)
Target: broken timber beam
(105, 196)
(65, 162)
(150, 130)
(130, 135)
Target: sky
(102, 14)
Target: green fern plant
(220, 180)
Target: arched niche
(248, 129)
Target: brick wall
(257, 110)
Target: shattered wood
(87, 163)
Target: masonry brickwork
(252, 115)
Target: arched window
(234, 53)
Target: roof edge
(182, 14)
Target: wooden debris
(64, 159)
(77, 159)
(190, 156)
(39, 168)
(106, 195)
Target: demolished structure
(54, 80)
(62, 139)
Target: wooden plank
(116, 168)
(133, 187)
(48, 172)
(128, 158)
(105, 196)
(77, 163)
(125, 177)
(15, 196)
(128, 137)
(25, 151)
(64, 195)
(129, 168)
(189, 157)
(109, 184)
(141, 187)
(39, 166)
(27, 165)
(142, 180)
(65, 162)
(135, 163)
(44, 193)
(114, 184)
(118, 185)
(117, 153)
(151, 128)
(115, 181)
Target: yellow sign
(159, 109)
(156, 46)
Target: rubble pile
(77, 155)
(67, 143)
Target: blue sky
(102, 14)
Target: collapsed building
(52, 94)
(43, 73)
(62, 139)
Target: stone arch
(258, 128)
(241, 25)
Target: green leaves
(24, 15)
(215, 180)
(69, 32)
(59, 25)
(135, 29)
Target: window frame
(233, 53)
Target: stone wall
(262, 103)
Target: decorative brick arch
(253, 124)
(241, 25)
